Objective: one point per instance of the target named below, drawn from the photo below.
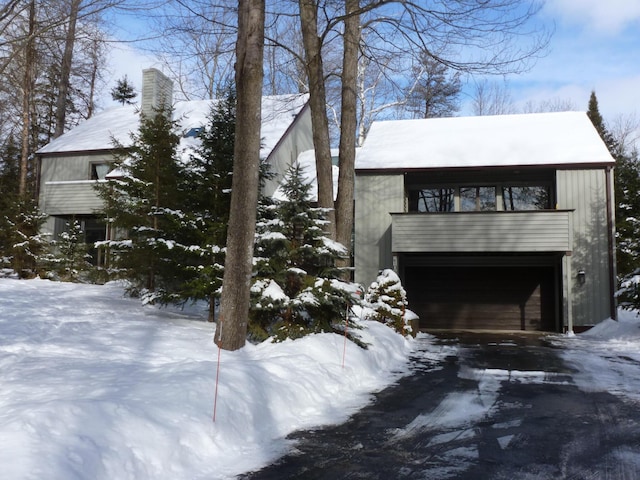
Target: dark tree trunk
(318, 103)
(232, 322)
(27, 94)
(348, 125)
(65, 70)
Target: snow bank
(606, 357)
(97, 386)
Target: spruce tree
(627, 209)
(146, 207)
(123, 92)
(209, 172)
(297, 288)
(9, 200)
(386, 299)
(72, 256)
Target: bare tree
(313, 43)
(196, 46)
(232, 323)
(625, 128)
(473, 36)
(349, 121)
(29, 59)
(549, 105)
(492, 99)
(65, 68)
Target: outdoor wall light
(582, 277)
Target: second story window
(99, 170)
(478, 199)
(529, 197)
(433, 200)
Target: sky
(595, 46)
(98, 386)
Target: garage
(494, 297)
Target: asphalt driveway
(499, 406)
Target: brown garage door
(482, 297)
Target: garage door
(482, 297)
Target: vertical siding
(585, 192)
(377, 196)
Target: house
(70, 165)
(495, 222)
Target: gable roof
(559, 138)
(97, 133)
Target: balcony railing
(530, 231)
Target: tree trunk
(27, 93)
(348, 125)
(318, 103)
(232, 322)
(65, 69)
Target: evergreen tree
(123, 92)
(593, 112)
(435, 91)
(9, 200)
(627, 194)
(209, 177)
(22, 247)
(72, 256)
(627, 209)
(30, 249)
(387, 300)
(147, 204)
(297, 288)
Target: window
(99, 170)
(432, 200)
(479, 199)
(530, 197)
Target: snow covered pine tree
(297, 290)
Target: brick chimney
(157, 90)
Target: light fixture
(582, 277)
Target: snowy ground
(607, 357)
(94, 386)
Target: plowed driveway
(494, 406)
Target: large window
(434, 200)
(529, 197)
(477, 199)
(481, 198)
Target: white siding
(295, 141)
(585, 191)
(376, 197)
(69, 167)
(69, 198)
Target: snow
(607, 357)
(99, 131)
(97, 386)
(556, 138)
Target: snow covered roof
(487, 141)
(98, 132)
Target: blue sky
(596, 46)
